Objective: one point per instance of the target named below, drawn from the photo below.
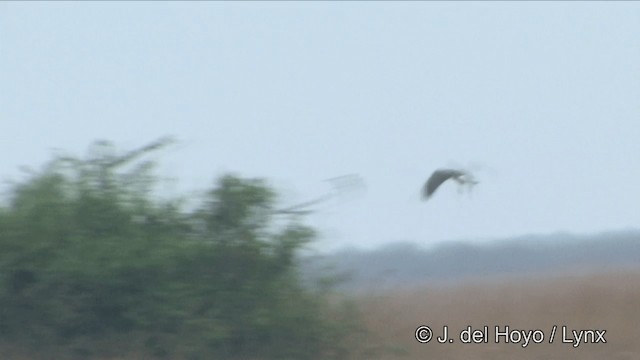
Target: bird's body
(441, 175)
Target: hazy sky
(541, 98)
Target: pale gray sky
(545, 96)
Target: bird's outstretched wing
(440, 176)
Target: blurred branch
(341, 185)
(158, 144)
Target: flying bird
(441, 175)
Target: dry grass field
(589, 301)
(604, 301)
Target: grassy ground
(609, 301)
(605, 301)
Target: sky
(539, 99)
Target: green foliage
(86, 254)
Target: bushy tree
(89, 258)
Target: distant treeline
(406, 263)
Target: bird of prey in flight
(441, 175)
